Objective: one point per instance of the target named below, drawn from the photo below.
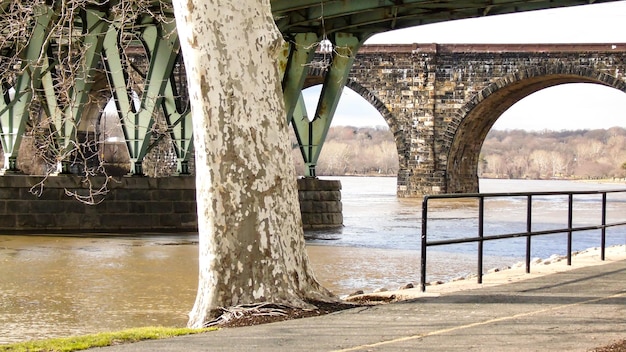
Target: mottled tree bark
(251, 241)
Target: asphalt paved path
(575, 310)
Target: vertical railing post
(529, 226)
(424, 230)
(570, 215)
(481, 214)
(529, 219)
(603, 236)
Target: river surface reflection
(60, 286)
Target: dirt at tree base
(322, 308)
(615, 347)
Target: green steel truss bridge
(130, 63)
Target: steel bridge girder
(180, 128)
(298, 55)
(162, 46)
(163, 53)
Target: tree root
(251, 310)
(261, 313)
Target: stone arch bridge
(440, 101)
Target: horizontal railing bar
(517, 194)
(519, 234)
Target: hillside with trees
(354, 151)
(580, 154)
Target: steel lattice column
(95, 24)
(311, 134)
(14, 111)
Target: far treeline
(354, 151)
(518, 154)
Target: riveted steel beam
(163, 46)
(296, 57)
(14, 113)
(179, 123)
(51, 105)
(117, 76)
(374, 16)
(95, 24)
(303, 130)
(311, 134)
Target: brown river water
(60, 286)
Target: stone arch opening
(366, 94)
(316, 77)
(474, 120)
(394, 128)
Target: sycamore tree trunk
(251, 240)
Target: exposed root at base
(261, 313)
(249, 310)
(366, 299)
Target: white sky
(564, 107)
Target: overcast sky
(570, 106)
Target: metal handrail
(481, 238)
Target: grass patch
(77, 343)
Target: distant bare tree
(563, 154)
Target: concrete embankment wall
(132, 205)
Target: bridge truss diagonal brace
(311, 134)
(180, 128)
(95, 28)
(163, 46)
(14, 115)
(116, 75)
(298, 53)
(161, 43)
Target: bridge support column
(320, 203)
(312, 133)
(15, 110)
(413, 183)
(421, 170)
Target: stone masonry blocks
(320, 203)
(450, 95)
(133, 204)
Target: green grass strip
(77, 343)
